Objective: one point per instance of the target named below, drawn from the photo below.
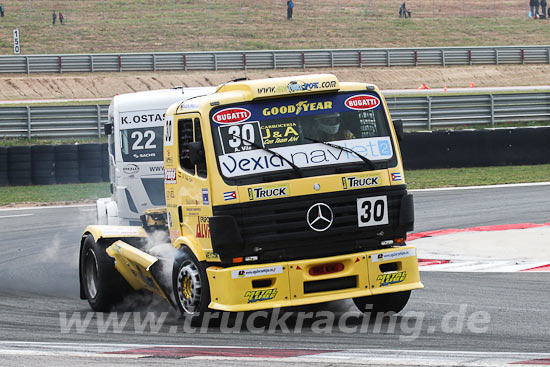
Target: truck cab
(134, 130)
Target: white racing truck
(136, 167)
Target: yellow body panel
(135, 266)
(254, 287)
(105, 231)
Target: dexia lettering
(302, 106)
(136, 119)
(252, 164)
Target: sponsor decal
(358, 181)
(396, 176)
(144, 155)
(261, 295)
(392, 278)
(203, 227)
(394, 255)
(297, 86)
(230, 195)
(272, 89)
(280, 133)
(308, 155)
(130, 169)
(210, 255)
(170, 176)
(362, 102)
(268, 192)
(205, 197)
(297, 108)
(230, 115)
(257, 272)
(156, 169)
(121, 231)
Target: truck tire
(190, 285)
(102, 284)
(389, 302)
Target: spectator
(54, 17)
(542, 9)
(1, 10)
(404, 12)
(61, 17)
(289, 9)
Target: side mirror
(108, 128)
(196, 153)
(398, 124)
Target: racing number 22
(372, 211)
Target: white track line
(484, 187)
(15, 215)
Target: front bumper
(283, 284)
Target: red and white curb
(479, 265)
(299, 356)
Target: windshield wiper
(296, 169)
(345, 149)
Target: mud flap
(141, 270)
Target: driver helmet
(328, 123)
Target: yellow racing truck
(279, 192)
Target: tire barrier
(421, 150)
(19, 166)
(43, 164)
(4, 166)
(105, 161)
(89, 163)
(66, 164)
(476, 148)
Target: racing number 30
(372, 211)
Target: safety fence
(275, 59)
(419, 110)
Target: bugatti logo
(362, 102)
(319, 217)
(230, 115)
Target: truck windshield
(296, 128)
(141, 144)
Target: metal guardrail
(275, 59)
(418, 111)
(53, 121)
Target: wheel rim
(91, 273)
(189, 287)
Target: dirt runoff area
(106, 85)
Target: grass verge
(476, 176)
(69, 193)
(416, 179)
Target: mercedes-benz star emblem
(319, 217)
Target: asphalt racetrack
(458, 319)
